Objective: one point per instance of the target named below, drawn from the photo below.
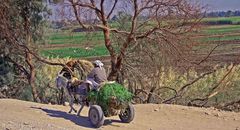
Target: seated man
(97, 75)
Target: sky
(221, 5)
(211, 5)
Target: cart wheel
(127, 115)
(96, 116)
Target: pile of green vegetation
(107, 91)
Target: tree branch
(211, 93)
(113, 7)
(181, 90)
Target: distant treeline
(211, 18)
(222, 18)
(220, 22)
(223, 14)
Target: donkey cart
(111, 100)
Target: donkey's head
(61, 81)
(71, 64)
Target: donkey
(78, 92)
(73, 88)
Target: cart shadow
(78, 120)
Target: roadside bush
(212, 90)
(16, 86)
(163, 85)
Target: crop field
(74, 37)
(83, 45)
(221, 29)
(74, 44)
(222, 38)
(76, 52)
(234, 20)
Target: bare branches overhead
(145, 19)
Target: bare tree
(149, 20)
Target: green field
(221, 29)
(233, 19)
(74, 38)
(96, 39)
(75, 52)
(222, 38)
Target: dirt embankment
(21, 115)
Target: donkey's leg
(62, 97)
(71, 105)
(82, 102)
(80, 110)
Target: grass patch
(76, 52)
(233, 19)
(68, 36)
(205, 48)
(74, 38)
(224, 38)
(222, 29)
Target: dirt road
(22, 115)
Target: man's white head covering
(98, 63)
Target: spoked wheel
(127, 115)
(96, 116)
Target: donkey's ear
(60, 74)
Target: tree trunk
(113, 73)
(116, 73)
(32, 75)
(31, 81)
(28, 56)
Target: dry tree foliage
(146, 39)
(164, 22)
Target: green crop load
(111, 95)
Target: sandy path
(21, 115)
